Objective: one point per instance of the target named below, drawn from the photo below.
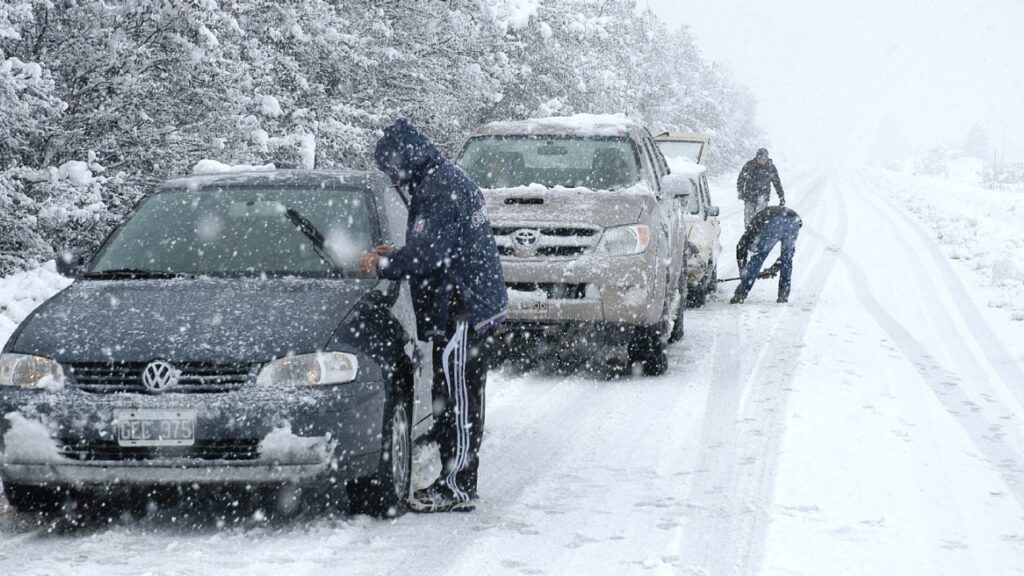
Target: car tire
(386, 493)
(678, 327)
(33, 498)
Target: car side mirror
(70, 265)
(677, 186)
(713, 211)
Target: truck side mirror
(677, 185)
(713, 211)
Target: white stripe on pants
(458, 392)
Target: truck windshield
(511, 161)
(242, 232)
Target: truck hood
(536, 204)
(202, 319)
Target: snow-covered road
(874, 425)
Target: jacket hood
(404, 154)
(189, 319)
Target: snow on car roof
(578, 125)
(279, 178)
(681, 165)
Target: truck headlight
(318, 369)
(26, 371)
(625, 240)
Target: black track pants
(460, 376)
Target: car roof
(683, 137)
(278, 178)
(582, 125)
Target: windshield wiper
(133, 273)
(310, 231)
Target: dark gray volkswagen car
(223, 334)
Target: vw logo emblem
(159, 376)
(526, 237)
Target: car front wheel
(32, 498)
(386, 493)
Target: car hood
(189, 319)
(567, 206)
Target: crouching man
(772, 225)
(451, 262)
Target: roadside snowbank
(978, 227)
(21, 293)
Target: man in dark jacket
(755, 185)
(451, 262)
(771, 226)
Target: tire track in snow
(999, 444)
(1005, 365)
(728, 504)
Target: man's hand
(384, 250)
(782, 202)
(368, 262)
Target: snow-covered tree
(100, 100)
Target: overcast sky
(851, 78)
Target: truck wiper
(310, 231)
(132, 273)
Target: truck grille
(551, 290)
(545, 241)
(105, 450)
(195, 377)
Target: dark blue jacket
(450, 254)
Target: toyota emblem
(159, 376)
(526, 237)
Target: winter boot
(438, 497)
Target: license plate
(155, 427)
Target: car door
(397, 213)
(714, 224)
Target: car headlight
(625, 240)
(310, 370)
(26, 371)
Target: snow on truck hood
(202, 319)
(537, 204)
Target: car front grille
(194, 377)
(551, 290)
(100, 450)
(545, 241)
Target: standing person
(451, 262)
(771, 226)
(754, 185)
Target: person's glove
(368, 262)
(782, 202)
(773, 271)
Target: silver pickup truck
(591, 230)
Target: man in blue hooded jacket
(451, 262)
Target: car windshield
(242, 232)
(676, 149)
(511, 161)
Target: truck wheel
(386, 493)
(647, 348)
(32, 498)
